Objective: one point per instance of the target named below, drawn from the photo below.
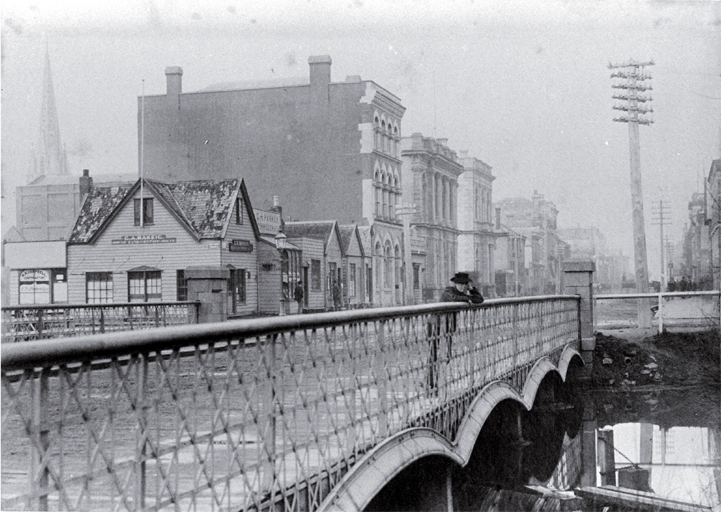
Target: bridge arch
(385, 461)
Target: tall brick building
(329, 150)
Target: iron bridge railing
(23, 323)
(253, 414)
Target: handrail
(654, 295)
(46, 307)
(64, 350)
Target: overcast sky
(522, 85)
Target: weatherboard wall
(111, 252)
(244, 237)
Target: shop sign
(268, 222)
(31, 276)
(240, 246)
(143, 239)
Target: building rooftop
(321, 229)
(245, 85)
(203, 207)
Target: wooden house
(134, 243)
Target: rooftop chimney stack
(174, 80)
(174, 85)
(319, 79)
(86, 183)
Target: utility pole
(661, 213)
(407, 211)
(635, 110)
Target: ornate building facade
(430, 181)
(329, 150)
(476, 238)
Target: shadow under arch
(389, 458)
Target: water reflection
(533, 460)
(556, 454)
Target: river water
(557, 453)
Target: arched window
(379, 263)
(377, 133)
(388, 265)
(382, 145)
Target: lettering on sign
(143, 239)
(240, 246)
(268, 222)
(31, 276)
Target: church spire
(48, 153)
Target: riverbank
(671, 379)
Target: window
(34, 287)
(144, 286)
(238, 211)
(315, 275)
(351, 280)
(236, 289)
(147, 210)
(98, 287)
(416, 276)
(182, 285)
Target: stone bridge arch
(388, 459)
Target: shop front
(38, 272)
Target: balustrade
(23, 323)
(242, 414)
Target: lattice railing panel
(24, 323)
(233, 416)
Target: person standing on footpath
(462, 290)
(298, 295)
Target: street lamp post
(281, 242)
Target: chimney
(174, 80)
(276, 206)
(498, 218)
(86, 183)
(319, 78)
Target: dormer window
(147, 211)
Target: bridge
(302, 412)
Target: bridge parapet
(578, 280)
(262, 413)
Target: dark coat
(451, 294)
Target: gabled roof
(202, 207)
(320, 229)
(99, 205)
(347, 233)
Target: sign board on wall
(268, 222)
(240, 246)
(143, 239)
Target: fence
(23, 323)
(699, 309)
(251, 414)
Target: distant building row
(328, 150)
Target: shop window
(182, 285)
(315, 275)
(144, 286)
(352, 280)
(147, 211)
(34, 287)
(238, 211)
(98, 287)
(236, 289)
